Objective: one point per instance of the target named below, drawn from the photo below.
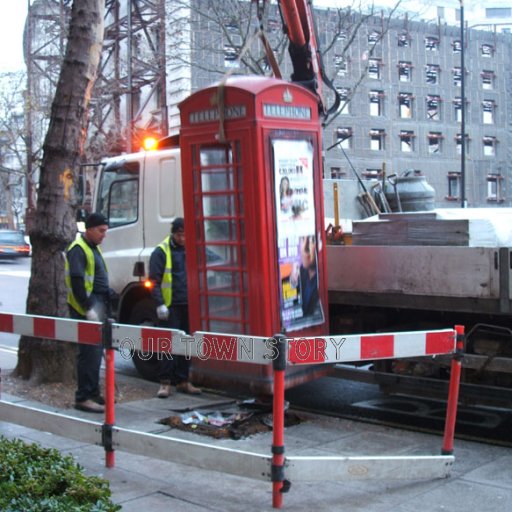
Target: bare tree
(228, 37)
(55, 224)
(226, 33)
(12, 146)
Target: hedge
(42, 480)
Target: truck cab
(140, 194)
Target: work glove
(91, 315)
(162, 312)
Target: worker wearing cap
(88, 299)
(168, 273)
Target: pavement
(481, 477)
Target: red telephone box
(254, 220)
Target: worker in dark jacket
(88, 299)
(168, 273)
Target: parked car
(13, 245)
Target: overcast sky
(12, 21)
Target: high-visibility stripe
(439, 344)
(377, 347)
(6, 323)
(89, 333)
(44, 328)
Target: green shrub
(42, 480)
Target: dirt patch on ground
(234, 419)
(245, 425)
(63, 396)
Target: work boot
(164, 391)
(89, 406)
(189, 389)
(98, 399)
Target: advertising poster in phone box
(296, 237)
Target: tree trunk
(55, 220)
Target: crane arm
(308, 70)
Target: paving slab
(495, 473)
(481, 477)
(458, 496)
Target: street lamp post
(463, 111)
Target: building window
(457, 106)
(406, 141)
(377, 137)
(403, 39)
(489, 146)
(344, 100)
(344, 137)
(431, 43)
(495, 188)
(376, 99)
(434, 142)
(487, 79)
(374, 66)
(337, 173)
(457, 46)
(458, 142)
(230, 57)
(488, 111)
(372, 174)
(405, 105)
(341, 65)
(404, 71)
(487, 50)
(453, 186)
(374, 37)
(341, 36)
(274, 25)
(457, 77)
(433, 107)
(432, 74)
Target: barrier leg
(279, 484)
(453, 392)
(109, 408)
(110, 376)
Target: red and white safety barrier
(63, 329)
(279, 351)
(301, 350)
(236, 347)
(368, 347)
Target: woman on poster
(285, 195)
(305, 276)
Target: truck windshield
(118, 193)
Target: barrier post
(107, 427)
(453, 392)
(279, 484)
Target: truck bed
(442, 278)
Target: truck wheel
(144, 314)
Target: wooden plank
(416, 232)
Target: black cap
(178, 225)
(95, 219)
